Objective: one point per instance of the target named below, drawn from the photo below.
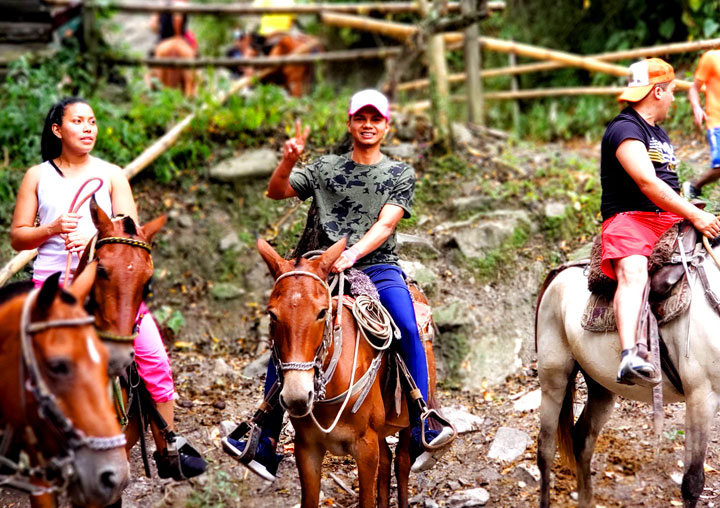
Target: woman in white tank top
(46, 192)
(48, 189)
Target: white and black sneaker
(264, 463)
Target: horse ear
(83, 282)
(274, 261)
(100, 219)
(151, 228)
(324, 263)
(47, 293)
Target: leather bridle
(59, 469)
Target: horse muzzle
(120, 356)
(298, 392)
(100, 477)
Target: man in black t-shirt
(640, 200)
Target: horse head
(54, 392)
(124, 269)
(300, 312)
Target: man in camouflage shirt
(361, 196)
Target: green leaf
(695, 4)
(710, 26)
(667, 28)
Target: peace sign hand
(294, 147)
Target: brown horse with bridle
(124, 269)
(295, 78)
(59, 430)
(333, 380)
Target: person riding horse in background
(172, 24)
(361, 196)
(46, 192)
(640, 200)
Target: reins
(58, 470)
(74, 207)
(369, 316)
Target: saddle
(669, 294)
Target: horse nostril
(108, 479)
(310, 396)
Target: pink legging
(151, 358)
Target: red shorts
(632, 233)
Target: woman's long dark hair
(50, 144)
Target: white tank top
(55, 194)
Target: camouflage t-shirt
(349, 196)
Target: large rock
(249, 164)
(415, 243)
(401, 150)
(257, 367)
(462, 419)
(469, 498)
(490, 231)
(424, 276)
(509, 444)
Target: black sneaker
(264, 463)
(191, 463)
(423, 459)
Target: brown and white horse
(301, 310)
(564, 347)
(54, 404)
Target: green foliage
(219, 491)
(172, 318)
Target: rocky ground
(218, 379)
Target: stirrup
(253, 432)
(633, 377)
(431, 413)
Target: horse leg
(309, 462)
(597, 411)
(402, 467)
(367, 458)
(383, 479)
(43, 501)
(699, 412)
(557, 385)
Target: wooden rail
(249, 9)
(264, 61)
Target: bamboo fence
(404, 32)
(246, 9)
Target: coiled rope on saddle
(373, 321)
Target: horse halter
(60, 468)
(95, 244)
(322, 349)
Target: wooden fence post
(473, 62)
(437, 70)
(512, 61)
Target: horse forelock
(129, 226)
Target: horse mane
(15, 289)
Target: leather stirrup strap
(253, 428)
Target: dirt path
(630, 467)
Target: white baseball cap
(372, 98)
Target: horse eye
(273, 317)
(322, 314)
(102, 271)
(59, 367)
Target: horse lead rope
(74, 207)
